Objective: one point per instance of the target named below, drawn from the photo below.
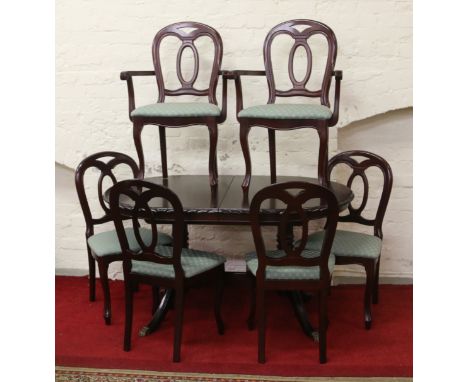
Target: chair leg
(323, 154)
(261, 324)
(129, 288)
(212, 164)
(375, 295)
(272, 149)
(179, 315)
(162, 145)
(103, 268)
(137, 129)
(155, 299)
(251, 318)
(92, 276)
(219, 289)
(323, 324)
(244, 141)
(369, 267)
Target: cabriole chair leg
(92, 276)
(103, 268)
(375, 294)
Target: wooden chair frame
(371, 266)
(298, 89)
(294, 213)
(141, 192)
(96, 161)
(187, 88)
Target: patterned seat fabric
(287, 111)
(182, 109)
(288, 272)
(193, 263)
(348, 243)
(107, 243)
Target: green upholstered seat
(193, 263)
(348, 243)
(107, 243)
(287, 111)
(288, 272)
(183, 109)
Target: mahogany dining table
(228, 204)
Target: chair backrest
(132, 199)
(188, 32)
(359, 169)
(295, 213)
(300, 39)
(106, 168)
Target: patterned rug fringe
(76, 374)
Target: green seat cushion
(287, 111)
(183, 109)
(107, 243)
(193, 263)
(288, 272)
(348, 243)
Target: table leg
(166, 301)
(159, 315)
(297, 302)
(297, 298)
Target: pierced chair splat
(176, 115)
(104, 247)
(291, 116)
(171, 267)
(293, 267)
(351, 247)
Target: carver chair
(275, 116)
(104, 247)
(175, 115)
(292, 267)
(172, 267)
(351, 247)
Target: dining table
(228, 204)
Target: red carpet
(83, 340)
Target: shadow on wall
(389, 135)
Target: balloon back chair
(166, 114)
(292, 116)
(293, 267)
(171, 267)
(358, 248)
(104, 247)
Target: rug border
(231, 377)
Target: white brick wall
(96, 40)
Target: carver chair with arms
(166, 114)
(104, 247)
(171, 267)
(351, 247)
(292, 267)
(292, 116)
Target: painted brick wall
(96, 40)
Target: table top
(228, 203)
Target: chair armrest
(128, 76)
(236, 76)
(225, 76)
(338, 74)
